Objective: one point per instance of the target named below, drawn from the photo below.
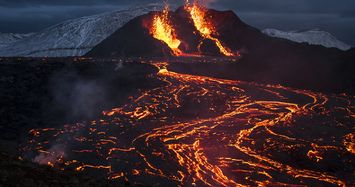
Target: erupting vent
(163, 28)
(205, 27)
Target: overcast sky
(334, 16)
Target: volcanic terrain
(263, 58)
(193, 97)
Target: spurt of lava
(162, 28)
(192, 31)
(206, 27)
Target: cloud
(34, 19)
(204, 3)
(340, 27)
(38, 3)
(336, 17)
(289, 6)
(333, 16)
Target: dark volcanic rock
(21, 172)
(264, 59)
(29, 91)
(132, 40)
(48, 93)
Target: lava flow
(202, 131)
(205, 27)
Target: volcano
(207, 119)
(261, 58)
(135, 39)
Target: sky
(334, 16)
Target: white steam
(53, 154)
(80, 98)
(119, 65)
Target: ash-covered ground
(47, 93)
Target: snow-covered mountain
(75, 37)
(313, 36)
(8, 38)
(78, 36)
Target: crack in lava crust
(201, 131)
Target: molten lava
(163, 30)
(206, 27)
(202, 131)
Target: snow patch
(313, 37)
(74, 37)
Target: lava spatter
(206, 27)
(162, 29)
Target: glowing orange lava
(205, 27)
(202, 131)
(164, 31)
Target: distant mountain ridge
(75, 37)
(78, 36)
(8, 38)
(263, 59)
(312, 36)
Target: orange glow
(205, 27)
(227, 135)
(314, 155)
(351, 148)
(164, 31)
(349, 143)
(50, 164)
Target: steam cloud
(78, 97)
(54, 153)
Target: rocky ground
(38, 93)
(18, 172)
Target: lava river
(202, 131)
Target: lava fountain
(206, 27)
(163, 30)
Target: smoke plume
(77, 97)
(51, 156)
